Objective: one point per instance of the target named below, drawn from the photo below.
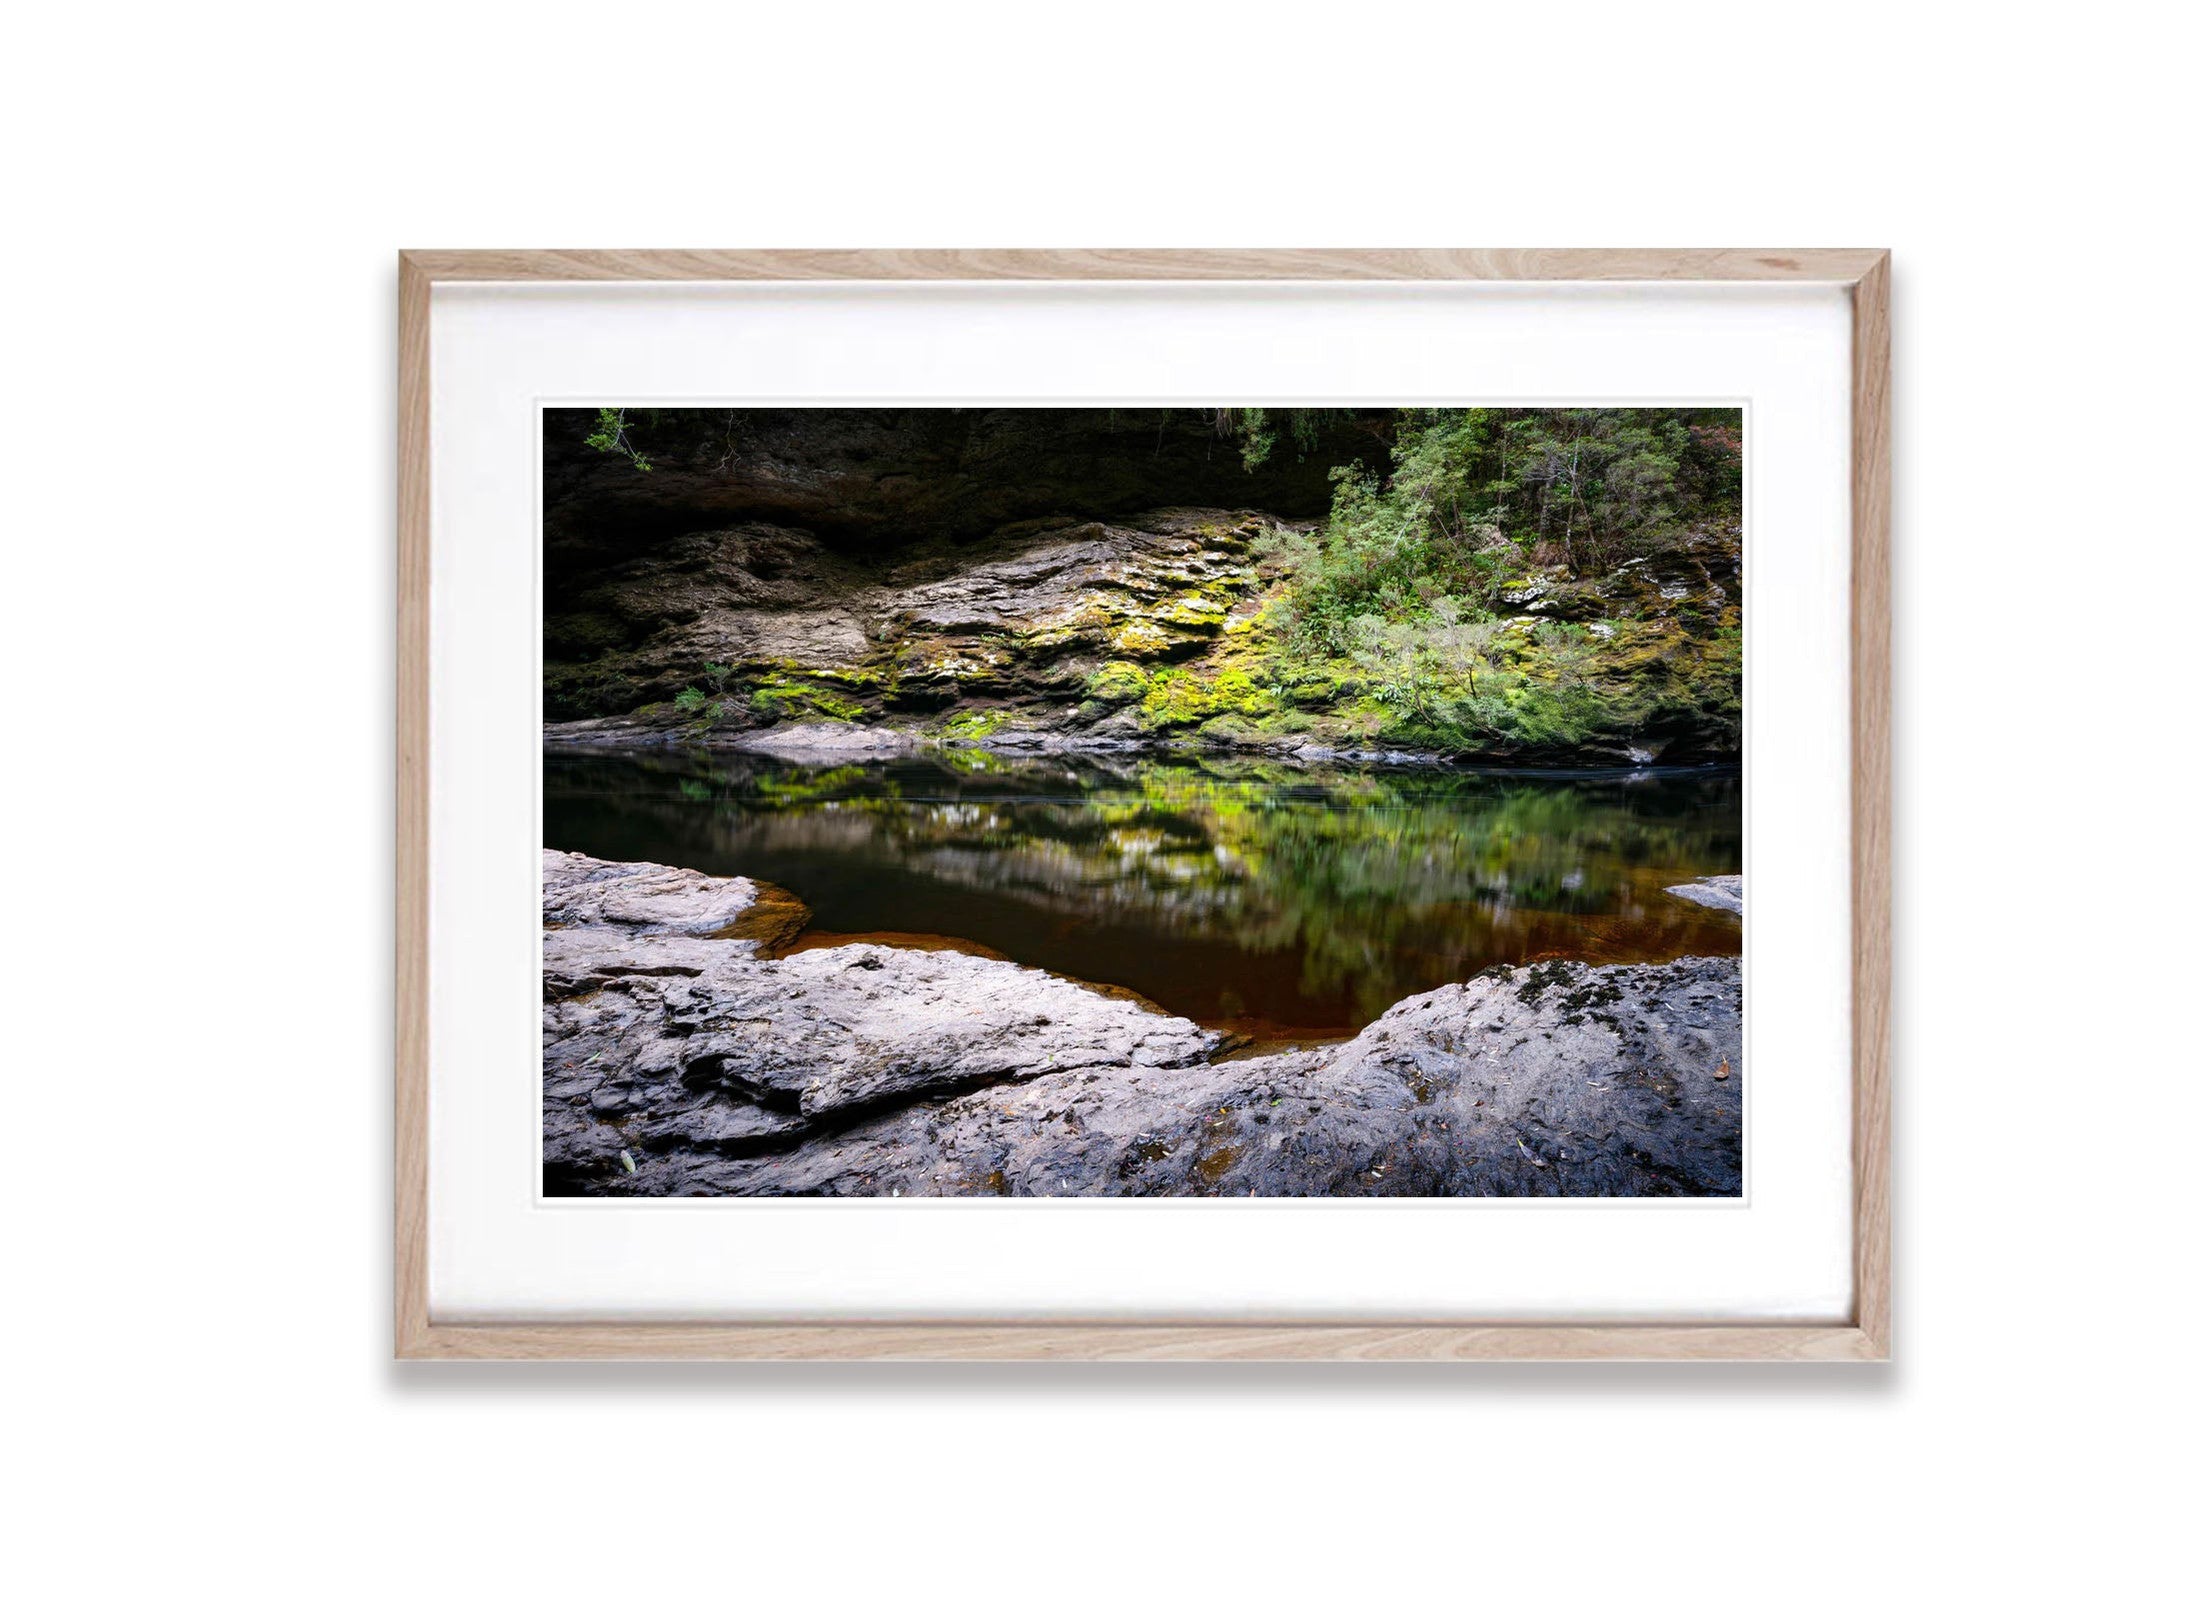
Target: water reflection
(1275, 899)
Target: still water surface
(1278, 900)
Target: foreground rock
(681, 1059)
(667, 1032)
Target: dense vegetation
(1414, 584)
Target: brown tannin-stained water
(1277, 900)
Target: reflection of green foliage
(1369, 874)
(970, 760)
(781, 787)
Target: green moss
(803, 701)
(1285, 721)
(1314, 687)
(1229, 727)
(970, 726)
(1195, 611)
(1235, 689)
(1139, 636)
(1175, 698)
(1118, 683)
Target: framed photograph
(1143, 804)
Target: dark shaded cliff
(873, 482)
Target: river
(1280, 901)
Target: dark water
(1280, 900)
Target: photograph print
(1200, 803)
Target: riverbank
(1178, 627)
(814, 742)
(680, 1058)
(827, 743)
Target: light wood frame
(1863, 1336)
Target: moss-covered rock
(1175, 698)
(804, 702)
(971, 726)
(1118, 683)
(1179, 624)
(1143, 639)
(936, 671)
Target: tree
(610, 437)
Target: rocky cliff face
(1042, 575)
(1024, 618)
(680, 1058)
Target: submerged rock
(674, 1043)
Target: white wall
(199, 507)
